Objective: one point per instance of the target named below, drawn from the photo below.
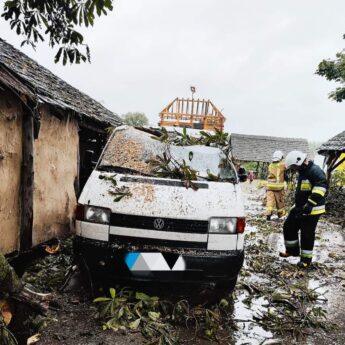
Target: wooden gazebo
(192, 113)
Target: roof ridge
(266, 137)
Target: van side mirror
(242, 178)
(242, 174)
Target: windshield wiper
(121, 170)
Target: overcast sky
(254, 59)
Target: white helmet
(295, 158)
(277, 156)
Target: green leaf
(112, 292)
(120, 313)
(141, 296)
(153, 315)
(119, 198)
(134, 324)
(102, 299)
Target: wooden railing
(192, 113)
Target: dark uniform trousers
(294, 223)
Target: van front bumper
(108, 263)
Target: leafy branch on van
(118, 192)
(219, 139)
(212, 177)
(167, 167)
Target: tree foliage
(57, 20)
(135, 119)
(334, 70)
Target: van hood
(159, 197)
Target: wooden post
(27, 181)
(257, 169)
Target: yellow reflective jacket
(276, 176)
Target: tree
(334, 70)
(58, 20)
(135, 119)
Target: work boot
(268, 218)
(304, 263)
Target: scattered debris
(118, 192)
(49, 273)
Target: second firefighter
(275, 186)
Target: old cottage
(49, 133)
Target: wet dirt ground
(312, 304)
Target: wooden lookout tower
(192, 113)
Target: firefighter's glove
(307, 208)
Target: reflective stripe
(318, 210)
(307, 253)
(312, 202)
(315, 213)
(319, 190)
(290, 244)
(306, 185)
(275, 185)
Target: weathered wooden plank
(27, 181)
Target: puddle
(249, 332)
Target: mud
(264, 281)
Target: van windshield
(136, 151)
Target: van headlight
(95, 214)
(223, 225)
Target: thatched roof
(257, 148)
(25, 76)
(335, 144)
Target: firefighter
(309, 205)
(275, 186)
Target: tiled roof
(336, 143)
(27, 77)
(257, 148)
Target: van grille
(128, 242)
(170, 224)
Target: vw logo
(158, 223)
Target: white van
(137, 223)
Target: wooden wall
(10, 171)
(55, 164)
